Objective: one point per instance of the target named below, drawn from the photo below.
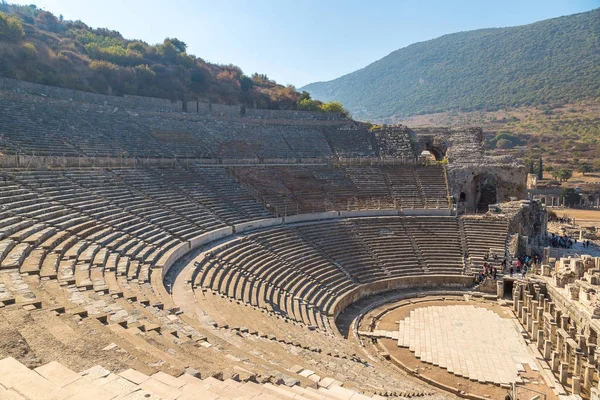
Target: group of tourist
(563, 241)
(562, 220)
(525, 263)
(488, 270)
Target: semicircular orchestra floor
(467, 345)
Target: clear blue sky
(299, 42)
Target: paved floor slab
(469, 341)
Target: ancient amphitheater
(230, 253)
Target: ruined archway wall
(511, 181)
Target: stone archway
(485, 188)
(435, 151)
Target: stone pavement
(468, 341)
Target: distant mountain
(552, 61)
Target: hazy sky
(300, 42)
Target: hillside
(548, 62)
(566, 136)
(37, 46)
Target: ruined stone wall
(469, 167)
(147, 103)
(395, 141)
(511, 181)
(156, 104)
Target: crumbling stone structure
(560, 311)
(476, 179)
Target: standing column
(540, 339)
(555, 361)
(525, 317)
(563, 372)
(520, 306)
(553, 331)
(564, 322)
(588, 376)
(576, 385)
(578, 365)
(559, 344)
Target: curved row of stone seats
(134, 201)
(230, 191)
(371, 182)
(339, 242)
(132, 305)
(53, 247)
(54, 381)
(48, 126)
(305, 189)
(163, 193)
(388, 240)
(82, 265)
(484, 236)
(439, 244)
(44, 126)
(432, 182)
(177, 135)
(299, 189)
(404, 187)
(30, 127)
(351, 141)
(246, 271)
(298, 271)
(193, 186)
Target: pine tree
(540, 172)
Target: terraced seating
(297, 270)
(389, 242)
(291, 190)
(484, 235)
(56, 381)
(350, 142)
(249, 272)
(60, 127)
(438, 240)
(371, 182)
(338, 241)
(405, 187)
(230, 191)
(433, 185)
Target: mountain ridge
(555, 60)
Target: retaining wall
(405, 282)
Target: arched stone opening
(485, 186)
(438, 153)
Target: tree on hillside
(563, 174)
(584, 169)
(571, 197)
(179, 45)
(504, 144)
(10, 28)
(335, 106)
(246, 83)
(307, 104)
(540, 171)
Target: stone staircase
(54, 381)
